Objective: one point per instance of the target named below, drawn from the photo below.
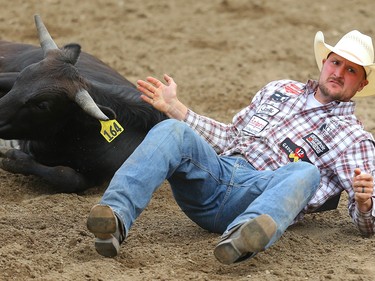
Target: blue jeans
(216, 192)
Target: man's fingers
(168, 79)
(357, 171)
(364, 178)
(145, 88)
(145, 85)
(362, 182)
(147, 99)
(154, 81)
(360, 189)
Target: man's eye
(351, 70)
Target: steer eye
(43, 105)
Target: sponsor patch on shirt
(256, 125)
(316, 144)
(293, 89)
(329, 130)
(268, 109)
(295, 153)
(279, 97)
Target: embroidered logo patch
(293, 89)
(316, 144)
(268, 109)
(256, 125)
(279, 97)
(329, 130)
(295, 153)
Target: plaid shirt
(278, 128)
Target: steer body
(60, 139)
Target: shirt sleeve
(217, 134)
(220, 135)
(359, 155)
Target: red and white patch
(256, 125)
(292, 89)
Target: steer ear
(71, 53)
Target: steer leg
(64, 179)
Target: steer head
(45, 93)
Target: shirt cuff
(367, 214)
(191, 118)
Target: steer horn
(82, 98)
(45, 39)
(85, 101)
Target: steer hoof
(9, 144)
(4, 150)
(16, 161)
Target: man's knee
(309, 172)
(305, 171)
(170, 125)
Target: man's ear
(362, 85)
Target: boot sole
(252, 237)
(102, 222)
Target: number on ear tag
(110, 129)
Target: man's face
(339, 79)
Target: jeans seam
(229, 188)
(221, 207)
(197, 164)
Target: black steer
(54, 102)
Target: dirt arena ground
(220, 52)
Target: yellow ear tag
(110, 129)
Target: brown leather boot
(245, 240)
(107, 228)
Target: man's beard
(329, 93)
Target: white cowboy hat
(355, 47)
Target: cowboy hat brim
(322, 50)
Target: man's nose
(339, 72)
